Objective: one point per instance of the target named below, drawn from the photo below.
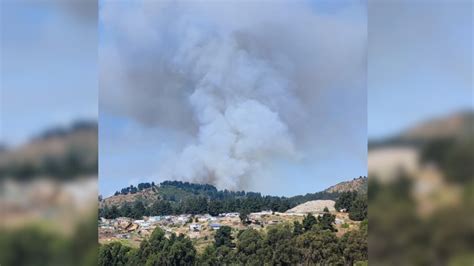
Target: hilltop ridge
(357, 184)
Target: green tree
(319, 247)
(282, 250)
(223, 237)
(243, 215)
(354, 246)
(249, 245)
(215, 207)
(161, 207)
(345, 200)
(208, 257)
(358, 210)
(113, 254)
(297, 228)
(180, 251)
(309, 221)
(126, 210)
(325, 222)
(139, 210)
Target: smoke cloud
(249, 82)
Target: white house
(215, 226)
(195, 227)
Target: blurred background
(48, 137)
(420, 127)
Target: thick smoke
(241, 79)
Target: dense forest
(312, 242)
(175, 197)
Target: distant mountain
(356, 184)
(454, 126)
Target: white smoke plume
(240, 78)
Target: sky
(48, 66)
(420, 62)
(296, 128)
(419, 66)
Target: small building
(338, 221)
(123, 236)
(195, 227)
(215, 226)
(154, 219)
(230, 214)
(132, 227)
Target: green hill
(176, 197)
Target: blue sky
(419, 62)
(132, 151)
(49, 68)
(419, 66)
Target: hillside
(61, 152)
(356, 184)
(175, 197)
(454, 126)
(313, 206)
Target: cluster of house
(124, 227)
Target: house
(132, 227)
(195, 227)
(154, 219)
(205, 218)
(145, 225)
(215, 226)
(230, 214)
(123, 236)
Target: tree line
(176, 197)
(355, 205)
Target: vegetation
(441, 239)
(278, 246)
(353, 203)
(453, 157)
(177, 197)
(75, 161)
(37, 245)
(224, 237)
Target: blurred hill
(458, 125)
(59, 153)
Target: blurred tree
(223, 237)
